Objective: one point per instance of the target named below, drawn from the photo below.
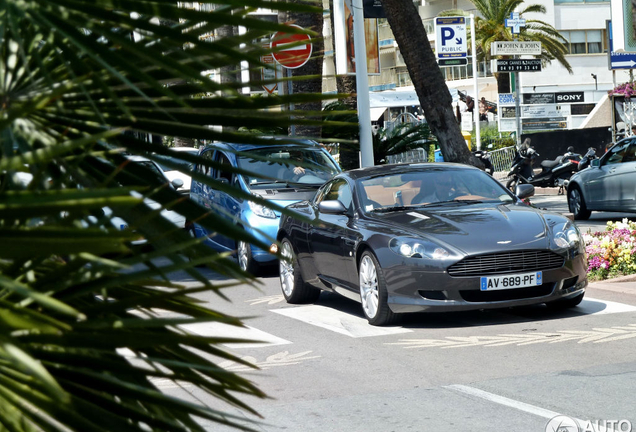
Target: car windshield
(183, 165)
(429, 188)
(297, 165)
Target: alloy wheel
(286, 269)
(575, 201)
(243, 255)
(369, 287)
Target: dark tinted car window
(279, 163)
(220, 173)
(419, 187)
(617, 153)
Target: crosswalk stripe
(230, 331)
(592, 306)
(336, 321)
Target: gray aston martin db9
(429, 237)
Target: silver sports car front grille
(506, 262)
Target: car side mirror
(177, 183)
(524, 190)
(595, 163)
(332, 207)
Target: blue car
(284, 173)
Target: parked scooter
(484, 157)
(553, 172)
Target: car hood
(286, 196)
(478, 229)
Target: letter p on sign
(447, 34)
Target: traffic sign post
(269, 74)
(515, 23)
(289, 50)
(450, 41)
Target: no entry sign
(297, 54)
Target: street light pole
(362, 85)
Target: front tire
(295, 289)
(245, 259)
(511, 185)
(373, 292)
(576, 203)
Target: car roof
(184, 149)
(380, 170)
(276, 142)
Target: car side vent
(507, 262)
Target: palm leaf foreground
(76, 91)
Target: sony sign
(569, 97)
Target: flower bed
(611, 253)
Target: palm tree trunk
(427, 78)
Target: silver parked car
(609, 184)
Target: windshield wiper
(465, 202)
(393, 209)
(287, 183)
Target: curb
(628, 278)
(546, 191)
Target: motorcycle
(484, 157)
(587, 158)
(554, 173)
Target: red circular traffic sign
(296, 55)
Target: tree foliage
(90, 321)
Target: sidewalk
(623, 284)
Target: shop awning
(376, 113)
(398, 98)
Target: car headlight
(262, 211)
(412, 248)
(568, 237)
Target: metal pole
(517, 95)
(612, 110)
(517, 107)
(362, 85)
(290, 91)
(475, 85)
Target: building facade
(582, 23)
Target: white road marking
(596, 335)
(502, 400)
(229, 331)
(592, 306)
(283, 358)
(339, 322)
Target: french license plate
(521, 280)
